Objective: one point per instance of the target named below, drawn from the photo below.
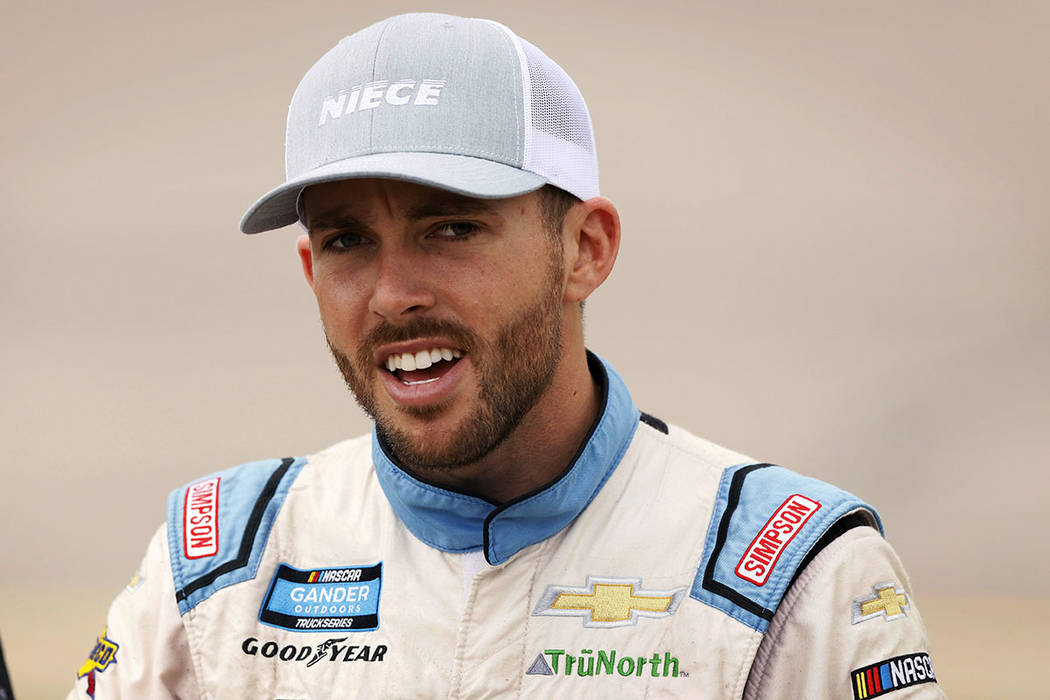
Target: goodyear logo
(892, 674)
(331, 649)
(343, 599)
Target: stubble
(514, 370)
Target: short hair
(555, 203)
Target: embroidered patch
(890, 602)
(200, 519)
(345, 599)
(605, 662)
(539, 667)
(762, 554)
(892, 674)
(135, 582)
(331, 650)
(102, 655)
(609, 602)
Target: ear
(594, 241)
(306, 257)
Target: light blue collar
(456, 522)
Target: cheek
(507, 282)
(484, 298)
(341, 305)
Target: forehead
(368, 199)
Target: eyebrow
(449, 205)
(337, 221)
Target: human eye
(455, 230)
(342, 241)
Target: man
(513, 526)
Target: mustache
(387, 332)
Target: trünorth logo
(606, 663)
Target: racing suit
(656, 565)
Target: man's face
(444, 313)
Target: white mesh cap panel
(559, 140)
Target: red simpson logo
(200, 523)
(761, 556)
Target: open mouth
(423, 366)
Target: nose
(400, 289)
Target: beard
(514, 370)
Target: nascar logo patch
(343, 599)
(892, 674)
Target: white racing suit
(656, 565)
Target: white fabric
(648, 523)
(559, 138)
(812, 642)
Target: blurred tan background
(835, 257)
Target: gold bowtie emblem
(890, 602)
(608, 602)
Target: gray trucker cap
(460, 104)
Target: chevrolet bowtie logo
(890, 602)
(608, 602)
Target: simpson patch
(344, 599)
(200, 519)
(787, 521)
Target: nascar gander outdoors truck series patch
(344, 599)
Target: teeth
(422, 381)
(410, 361)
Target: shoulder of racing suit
(218, 526)
(767, 524)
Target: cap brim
(474, 177)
